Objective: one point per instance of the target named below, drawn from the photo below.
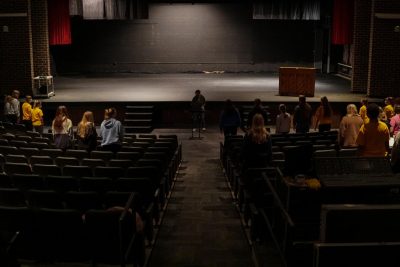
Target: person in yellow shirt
(37, 116)
(27, 113)
(373, 137)
(363, 110)
(388, 109)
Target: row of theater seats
(98, 235)
(34, 139)
(43, 181)
(309, 224)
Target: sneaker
(194, 129)
(203, 129)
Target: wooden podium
(295, 81)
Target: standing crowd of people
(111, 130)
(369, 129)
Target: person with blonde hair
(373, 137)
(37, 117)
(257, 149)
(389, 109)
(86, 132)
(363, 109)
(350, 126)
(62, 129)
(111, 131)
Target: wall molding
(13, 15)
(387, 15)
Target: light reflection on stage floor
(132, 87)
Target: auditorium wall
(24, 49)
(376, 60)
(189, 38)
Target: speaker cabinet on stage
(295, 81)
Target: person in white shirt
(11, 107)
(283, 121)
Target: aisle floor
(201, 226)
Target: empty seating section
(68, 195)
(300, 202)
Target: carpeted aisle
(201, 226)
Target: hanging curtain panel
(59, 22)
(342, 22)
(93, 9)
(75, 7)
(109, 9)
(287, 9)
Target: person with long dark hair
(86, 132)
(323, 116)
(62, 129)
(230, 119)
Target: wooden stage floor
(242, 87)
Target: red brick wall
(40, 38)
(376, 59)
(384, 70)
(361, 33)
(24, 49)
(16, 68)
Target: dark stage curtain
(59, 22)
(287, 9)
(342, 22)
(109, 9)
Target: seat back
(12, 197)
(47, 170)
(45, 199)
(17, 168)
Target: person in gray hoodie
(111, 131)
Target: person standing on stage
(198, 109)
(302, 116)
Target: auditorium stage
(241, 87)
(170, 94)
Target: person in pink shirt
(395, 121)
